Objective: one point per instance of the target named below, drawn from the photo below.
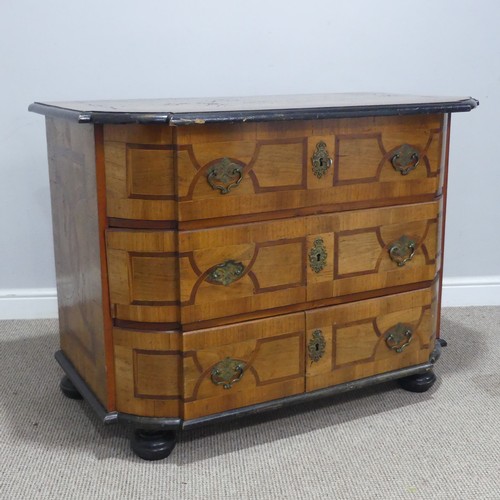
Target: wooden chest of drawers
(221, 257)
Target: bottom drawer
(189, 375)
(353, 341)
(194, 374)
(239, 365)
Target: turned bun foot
(68, 389)
(420, 382)
(152, 444)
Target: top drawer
(214, 171)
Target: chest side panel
(75, 219)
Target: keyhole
(318, 257)
(317, 347)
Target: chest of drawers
(221, 257)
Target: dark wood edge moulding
(443, 221)
(192, 118)
(178, 424)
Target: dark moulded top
(250, 109)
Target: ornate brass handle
(225, 175)
(399, 337)
(402, 251)
(321, 160)
(225, 273)
(227, 372)
(405, 159)
(316, 346)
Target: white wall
(61, 50)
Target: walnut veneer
(216, 258)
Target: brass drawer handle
(225, 273)
(318, 255)
(227, 372)
(399, 337)
(321, 160)
(402, 251)
(225, 175)
(316, 346)
(405, 159)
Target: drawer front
(357, 340)
(148, 369)
(243, 268)
(232, 270)
(143, 275)
(139, 165)
(243, 364)
(229, 170)
(199, 373)
(241, 169)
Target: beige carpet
(380, 443)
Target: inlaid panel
(240, 169)
(370, 156)
(148, 372)
(143, 275)
(243, 364)
(370, 337)
(140, 179)
(373, 249)
(235, 269)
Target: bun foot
(153, 444)
(418, 383)
(68, 389)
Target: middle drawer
(228, 271)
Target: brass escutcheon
(225, 175)
(402, 250)
(318, 255)
(225, 273)
(227, 372)
(321, 161)
(398, 338)
(316, 346)
(405, 159)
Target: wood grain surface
(140, 180)
(148, 372)
(276, 162)
(143, 275)
(275, 257)
(171, 374)
(355, 336)
(75, 219)
(152, 169)
(272, 351)
(217, 251)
